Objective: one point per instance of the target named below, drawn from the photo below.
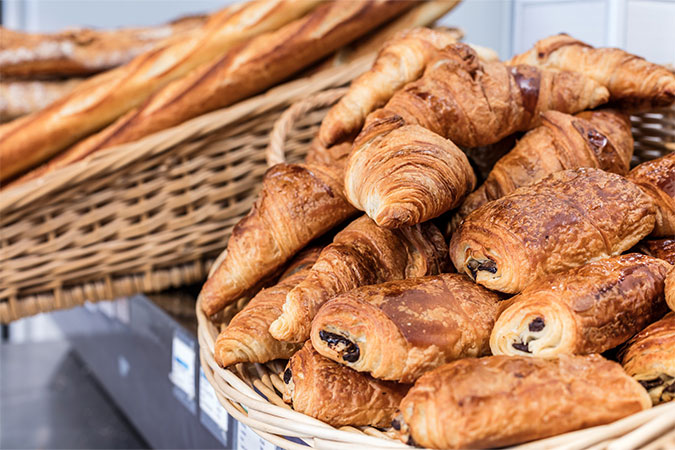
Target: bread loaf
(19, 97)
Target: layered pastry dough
(600, 139)
(297, 204)
(659, 248)
(402, 329)
(588, 309)
(650, 358)
(361, 254)
(402, 171)
(670, 289)
(338, 395)
(631, 80)
(565, 220)
(504, 400)
(657, 178)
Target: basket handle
(285, 122)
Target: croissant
(659, 248)
(338, 395)
(631, 80)
(334, 156)
(461, 99)
(600, 139)
(565, 220)
(361, 254)
(657, 178)
(402, 329)
(246, 339)
(650, 358)
(400, 61)
(297, 204)
(504, 400)
(670, 289)
(588, 309)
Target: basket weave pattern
(252, 393)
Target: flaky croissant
(657, 178)
(588, 309)
(565, 220)
(461, 99)
(631, 80)
(659, 248)
(670, 289)
(361, 254)
(600, 139)
(400, 61)
(338, 395)
(297, 204)
(402, 329)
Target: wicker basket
(251, 392)
(148, 215)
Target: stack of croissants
(465, 316)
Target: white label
(183, 366)
(248, 440)
(208, 402)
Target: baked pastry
(31, 140)
(82, 51)
(504, 400)
(18, 98)
(659, 248)
(359, 255)
(297, 204)
(600, 139)
(401, 175)
(657, 178)
(670, 289)
(631, 80)
(565, 220)
(338, 395)
(402, 329)
(400, 61)
(650, 358)
(588, 309)
(334, 156)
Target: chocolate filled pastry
(504, 400)
(650, 358)
(402, 329)
(588, 309)
(565, 220)
(338, 395)
(659, 248)
(246, 339)
(361, 254)
(657, 178)
(600, 139)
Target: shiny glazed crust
(361, 254)
(297, 204)
(650, 358)
(588, 309)
(503, 400)
(657, 178)
(338, 395)
(670, 289)
(402, 329)
(563, 221)
(659, 248)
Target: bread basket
(148, 215)
(251, 392)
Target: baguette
(19, 97)
(33, 139)
(82, 51)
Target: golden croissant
(657, 178)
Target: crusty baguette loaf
(82, 51)
(244, 71)
(19, 97)
(31, 140)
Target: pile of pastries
(405, 294)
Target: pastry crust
(588, 309)
(504, 400)
(631, 80)
(360, 255)
(670, 289)
(297, 204)
(650, 358)
(657, 178)
(563, 221)
(600, 139)
(402, 329)
(338, 395)
(659, 248)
